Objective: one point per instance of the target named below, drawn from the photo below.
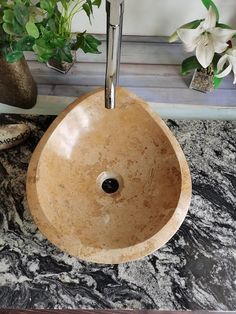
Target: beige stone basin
(108, 186)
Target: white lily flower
(207, 39)
(230, 58)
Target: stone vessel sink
(108, 186)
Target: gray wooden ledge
(150, 68)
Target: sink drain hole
(110, 185)
(110, 182)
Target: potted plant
(18, 31)
(209, 39)
(56, 45)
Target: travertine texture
(64, 194)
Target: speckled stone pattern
(195, 270)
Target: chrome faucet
(115, 10)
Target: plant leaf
(58, 41)
(64, 4)
(221, 25)
(65, 54)
(97, 3)
(210, 3)
(14, 56)
(87, 10)
(25, 44)
(41, 42)
(189, 65)
(52, 25)
(215, 60)
(21, 13)
(217, 82)
(37, 15)
(8, 28)
(43, 54)
(17, 27)
(87, 43)
(90, 5)
(48, 6)
(32, 29)
(8, 16)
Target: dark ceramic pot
(17, 86)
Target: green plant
(56, 39)
(19, 20)
(44, 26)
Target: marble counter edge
(53, 105)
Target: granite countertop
(195, 270)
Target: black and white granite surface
(195, 270)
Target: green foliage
(45, 28)
(221, 25)
(48, 6)
(210, 3)
(25, 43)
(32, 29)
(51, 45)
(217, 81)
(18, 28)
(215, 60)
(97, 3)
(189, 65)
(87, 43)
(8, 16)
(56, 39)
(21, 13)
(14, 56)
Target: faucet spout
(115, 10)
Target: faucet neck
(115, 9)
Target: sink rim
(117, 255)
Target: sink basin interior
(131, 147)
